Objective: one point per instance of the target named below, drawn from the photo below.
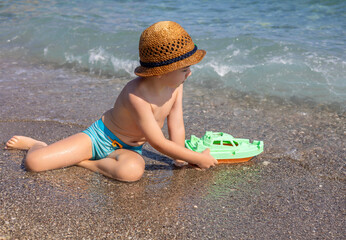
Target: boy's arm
(145, 119)
(175, 123)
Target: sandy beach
(295, 189)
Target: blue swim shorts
(104, 141)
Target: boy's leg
(122, 164)
(66, 152)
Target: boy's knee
(132, 170)
(32, 163)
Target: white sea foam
(98, 55)
(332, 69)
(12, 39)
(235, 51)
(70, 58)
(220, 69)
(230, 47)
(121, 64)
(281, 60)
(45, 51)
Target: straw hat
(165, 47)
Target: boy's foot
(21, 142)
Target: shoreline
(19, 67)
(295, 188)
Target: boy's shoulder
(134, 92)
(139, 90)
(132, 89)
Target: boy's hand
(209, 160)
(179, 163)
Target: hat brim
(149, 72)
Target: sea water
(287, 49)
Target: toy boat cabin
(224, 147)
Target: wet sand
(294, 190)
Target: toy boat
(224, 147)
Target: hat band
(170, 61)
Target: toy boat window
(229, 143)
(225, 143)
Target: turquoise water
(290, 49)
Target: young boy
(113, 145)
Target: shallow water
(285, 49)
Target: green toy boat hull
(224, 147)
